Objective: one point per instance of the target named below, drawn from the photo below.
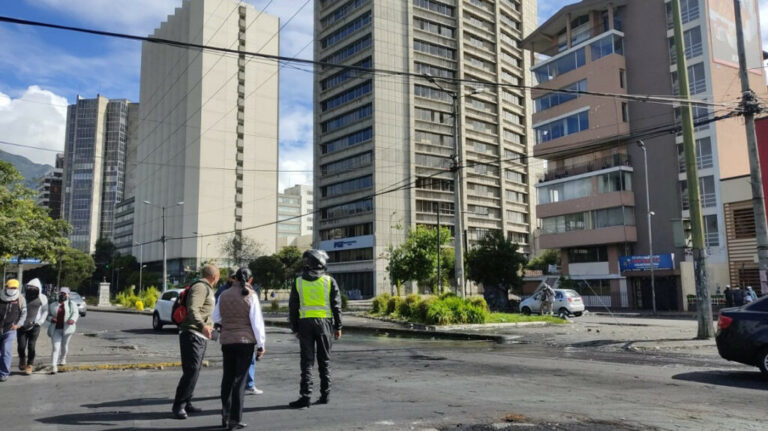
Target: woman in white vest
(62, 316)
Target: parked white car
(164, 308)
(567, 302)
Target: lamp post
(457, 179)
(141, 263)
(650, 214)
(163, 240)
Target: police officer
(315, 315)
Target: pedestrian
(224, 286)
(738, 297)
(13, 313)
(37, 312)
(63, 323)
(752, 293)
(194, 332)
(749, 295)
(728, 295)
(242, 330)
(315, 317)
(547, 300)
(250, 381)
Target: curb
(147, 312)
(112, 367)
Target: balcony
(595, 165)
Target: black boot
(324, 398)
(301, 403)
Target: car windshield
(75, 296)
(572, 293)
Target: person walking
(547, 300)
(315, 317)
(728, 293)
(749, 295)
(242, 329)
(194, 332)
(13, 312)
(37, 312)
(63, 317)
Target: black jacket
(293, 302)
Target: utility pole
(439, 277)
(458, 224)
(650, 214)
(750, 107)
(703, 303)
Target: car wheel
(157, 324)
(563, 312)
(578, 314)
(762, 362)
(526, 311)
(82, 314)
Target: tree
(268, 272)
(416, 258)
(26, 229)
(240, 250)
(497, 264)
(76, 268)
(290, 257)
(104, 257)
(551, 256)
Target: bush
(422, 308)
(139, 305)
(410, 306)
(439, 313)
(448, 295)
(393, 303)
(274, 305)
(344, 301)
(476, 314)
(379, 305)
(454, 310)
(149, 296)
(478, 301)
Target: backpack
(179, 309)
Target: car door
(165, 304)
(536, 303)
(560, 300)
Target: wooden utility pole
(703, 303)
(750, 106)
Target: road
(384, 383)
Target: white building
(295, 207)
(208, 134)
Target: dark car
(742, 334)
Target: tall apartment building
(123, 228)
(591, 201)
(293, 205)
(376, 132)
(49, 188)
(97, 138)
(208, 134)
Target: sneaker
(28, 370)
(3, 378)
(63, 361)
(301, 403)
(253, 391)
(54, 370)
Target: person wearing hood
(63, 319)
(315, 316)
(13, 312)
(37, 312)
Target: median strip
(120, 367)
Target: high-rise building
(376, 132)
(94, 167)
(207, 135)
(592, 199)
(294, 210)
(123, 228)
(49, 188)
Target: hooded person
(37, 312)
(13, 312)
(315, 317)
(62, 316)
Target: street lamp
(641, 144)
(163, 240)
(457, 179)
(141, 263)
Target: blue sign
(23, 260)
(643, 263)
(350, 243)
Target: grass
(520, 318)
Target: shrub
(393, 303)
(478, 301)
(448, 295)
(274, 305)
(410, 306)
(138, 304)
(379, 305)
(439, 313)
(476, 314)
(422, 308)
(149, 296)
(344, 301)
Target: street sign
(23, 260)
(642, 263)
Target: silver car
(82, 308)
(567, 301)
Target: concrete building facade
(295, 207)
(592, 199)
(383, 144)
(97, 140)
(49, 188)
(208, 135)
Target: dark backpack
(179, 309)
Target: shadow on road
(140, 402)
(150, 331)
(111, 418)
(735, 379)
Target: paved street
(384, 383)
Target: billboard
(722, 23)
(351, 243)
(643, 263)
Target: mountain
(30, 170)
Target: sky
(43, 70)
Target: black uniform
(315, 335)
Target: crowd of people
(736, 296)
(21, 317)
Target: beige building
(208, 134)
(376, 132)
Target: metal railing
(595, 165)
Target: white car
(567, 302)
(164, 308)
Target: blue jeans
(249, 382)
(6, 348)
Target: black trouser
(27, 338)
(237, 360)
(192, 352)
(315, 335)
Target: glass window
(611, 44)
(553, 99)
(711, 232)
(563, 127)
(348, 29)
(562, 65)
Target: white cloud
(36, 118)
(138, 17)
(296, 147)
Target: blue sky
(41, 70)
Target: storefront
(666, 278)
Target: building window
(350, 255)
(706, 192)
(711, 233)
(348, 29)
(704, 157)
(689, 11)
(514, 176)
(693, 46)
(697, 82)
(347, 74)
(428, 69)
(349, 50)
(430, 93)
(622, 78)
(569, 125)
(588, 220)
(350, 140)
(744, 223)
(347, 118)
(551, 100)
(587, 254)
(611, 44)
(341, 12)
(347, 96)
(432, 27)
(349, 186)
(347, 231)
(561, 66)
(434, 49)
(434, 6)
(348, 164)
(624, 112)
(348, 209)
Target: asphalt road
(383, 383)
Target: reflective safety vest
(314, 298)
